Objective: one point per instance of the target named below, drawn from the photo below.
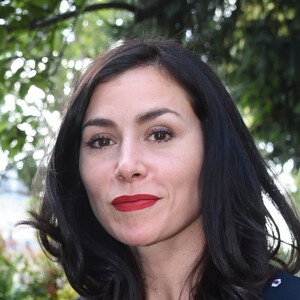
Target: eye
(161, 134)
(100, 142)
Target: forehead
(137, 90)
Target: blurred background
(253, 45)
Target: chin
(139, 239)
(136, 241)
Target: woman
(155, 188)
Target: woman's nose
(131, 165)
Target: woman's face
(141, 156)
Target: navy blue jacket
(282, 286)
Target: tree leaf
(4, 126)
(6, 11)
(3, 35)
(24, 90)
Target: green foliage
(7, 270)
(31, 277)
(266, 74)
(254, 46)
(296, 194)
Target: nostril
(128, 172)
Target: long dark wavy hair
(243, 245)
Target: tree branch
(140, 13)
(68, 15)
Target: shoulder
(282, 286)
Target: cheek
(91, 177)
(96, 175)
(187, 167)
(186, 172)
(93, 171)
(182, 179)
(85, 173)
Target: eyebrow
(153, 114)
(100, 122)
(139, 119)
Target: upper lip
(134, 198)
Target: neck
(168, 264)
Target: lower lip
(132, 203)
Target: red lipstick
(134, 202)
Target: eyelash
(91, 143)
(159, 130)
(164, 130)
